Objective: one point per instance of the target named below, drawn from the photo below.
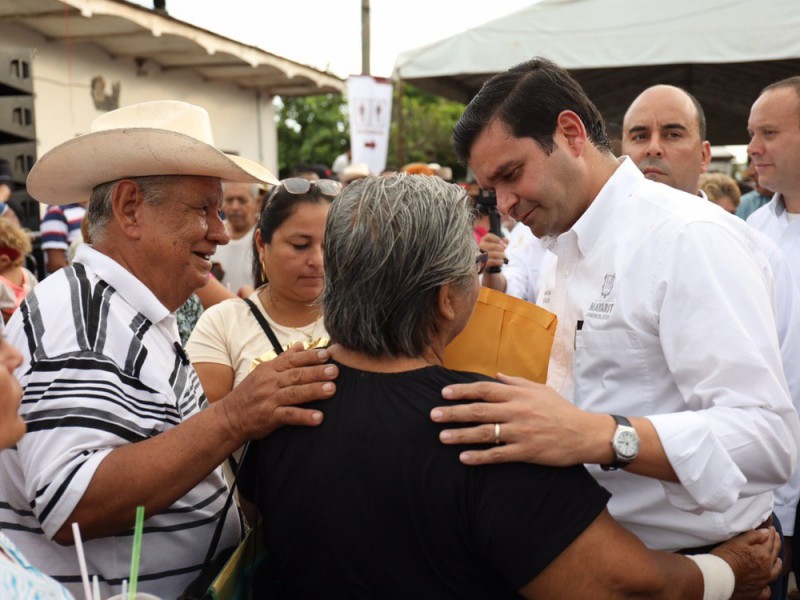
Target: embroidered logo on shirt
(608, 285)
(602, 307)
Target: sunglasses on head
(299, 186)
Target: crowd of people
(659, 460)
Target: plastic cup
(138, 596)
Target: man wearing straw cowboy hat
(111, 402)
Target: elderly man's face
(180, 235)
(240, 207)
(661, 134)
(774, 128)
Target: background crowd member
(666, 138)
(111, 401)
(6, 188)
(665, 367)
(665, 128)
(520, 257)
(341, 162)
(354, 172)
(721, 189)
(18, 577)
(756, 198)
(60, 226)
(15, 280)
(240, 205)
(774, 149)
(400, 514)
(228, 340)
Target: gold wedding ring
(497, 433)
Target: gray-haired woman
(371, 505)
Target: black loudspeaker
(18, 130)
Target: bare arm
(216, 379)
(56, 259)
(213, 293)
(157, 472)
(537, 425)
(608, 562)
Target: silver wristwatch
(625, 443)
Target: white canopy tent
(722, 51)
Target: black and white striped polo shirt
(101, 370)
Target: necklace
(307, 331)
(303, 333)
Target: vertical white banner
(369, 101)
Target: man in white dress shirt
(774, 148)
(676, 402)
(664, 133)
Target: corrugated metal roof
(123, 29)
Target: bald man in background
(664, 133)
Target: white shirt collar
(135, 293)
(587, 229)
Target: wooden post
(365, 37)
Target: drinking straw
(96, 588)
(137, 550)
(76, 536)
(124, 589)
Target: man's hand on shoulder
(268, 397)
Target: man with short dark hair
(665, 376)
(774, 150)
(111, 401)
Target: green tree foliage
(314, 129)
(427, 129)
(311, 130)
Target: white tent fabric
(617, 47)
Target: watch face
(627, 444)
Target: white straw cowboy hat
(164, 137)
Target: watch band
(620, 462)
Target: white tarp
(722, 51)
(582, 34)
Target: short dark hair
(701, 114)
(528, 99)
(790, 82)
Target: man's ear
(445, 302)
(705, 156)
(126, 208)
(570, 126)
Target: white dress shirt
(774, 222)
(524, 254)
(666, 310)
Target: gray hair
(98, 213)
(390, 244)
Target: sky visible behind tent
(326, 34)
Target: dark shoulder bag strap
(276, 345)
(212, 548)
